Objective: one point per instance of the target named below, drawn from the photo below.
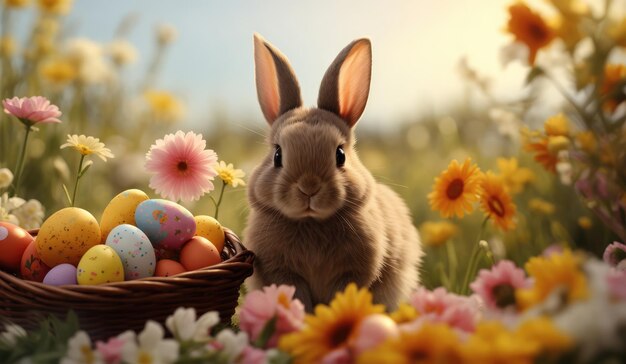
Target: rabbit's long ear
(276, 84)
(346, 84)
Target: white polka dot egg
(134, 249)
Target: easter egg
(99, 265)
(135, 250)
(31, 267)
(61, 275)
(198, 253)
(167, 224)
(208, 227)
(121, 210)
(66, 235)
(168, 268)
(13, 242)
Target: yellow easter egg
(209, 228)
(121, 210)
(66, 235)
(99, 265)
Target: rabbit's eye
(341, 156)
(278, 157)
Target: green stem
(78, 175)
(219, 200)
(20, 162)
(472, 265)
(452, 264)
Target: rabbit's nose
(309, 185)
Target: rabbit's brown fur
(314, 223)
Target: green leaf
(67, 194)
(266, 333)
(85, 168)
(534, 73)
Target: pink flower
(32, 110)
(617, 284)
(497, 286)
(183, 169)
(614, 254)
(440, 306)
(261, 306)
(111, 351)
(252, 355)
(340, 355)
(372, 331)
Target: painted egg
(66, 235)
(168, 268)
(32, 268)
(99, 265)
(167, 224)
(13, 242)
(198, 253)
(208, 227)
(135, 250)
(61, 275)
(121, 210)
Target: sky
(416, 45)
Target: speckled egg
(13, 242)
(135, 250)
(66, 235)
(99, 265)
(167, 224)
(168, 268)
(61, 275)
(208, 227)
(121, 210)
(32, 268)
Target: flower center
(496, 206)
(537, 32)
(504, 295)
(341, 333)
(83, 149)
(87, 353)
(144, 358)
(455, 189)
(283, 300)
(182, 167)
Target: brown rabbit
(318, 219)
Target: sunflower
(332, 327)
(456, 189)
(431, 343)
(496, 201)
(530, 29)
(493, 343)
(552, 273)
(539, 146)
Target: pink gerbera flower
(259, 307)
(614, 254)
(183, 169)
(440, 306)
(497, 286)
(32, 110)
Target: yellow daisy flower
(332, 327)
(542, 331)
(496, 202)
(230, 175)
(541, 206)
(557, 125)
(87, 145)
(405, 313)
(164, 106)
(456, 189)
(530, 29)
(58, 72)
(515, 178)
(493, 343)
(552, 273)
(435, 233)
(431, 343)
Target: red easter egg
(32, 268)
(199, 252)
(168, 268)
(13, 242)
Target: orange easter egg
(32, 267)
(198, 253)
(168, 268)
(13, 242)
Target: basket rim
(242, 260)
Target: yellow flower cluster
(459, 186)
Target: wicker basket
(108, 309)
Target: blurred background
(446, 85)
